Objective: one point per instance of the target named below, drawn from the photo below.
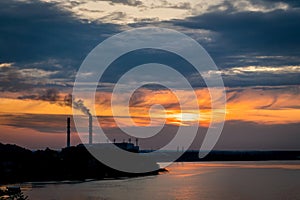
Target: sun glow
(185, 117)
(182, 118)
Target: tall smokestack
(90, 129)
(68, 131)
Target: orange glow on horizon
(246, 104)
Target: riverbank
(19, 165)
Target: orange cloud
(8, 105)
(265, 105)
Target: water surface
(190, 181)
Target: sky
(254, 43)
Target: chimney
(136, 142)
(68, 131)
(90, 129)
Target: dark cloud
(232, 95)
(35, 31)
(15, 79)
(180, 5)
(292, 3)
(12, 80)
(146, 20)
(269, 105)
(263, 79)
(250, 34)
(138, 99)
(114, 16)
(244, 38)
(128, 2)
(141, 98)
(90, 10)
(240, 6)
(143, 56)
(51, 95)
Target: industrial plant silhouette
(18, 164)
(128, 146)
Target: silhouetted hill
(75, 163)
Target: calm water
(191, 181)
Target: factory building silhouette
(128, 146)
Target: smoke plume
(53, 96)
(79, 104)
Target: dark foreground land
(18, 164)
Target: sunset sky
(255, 44)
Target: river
(190, 181)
